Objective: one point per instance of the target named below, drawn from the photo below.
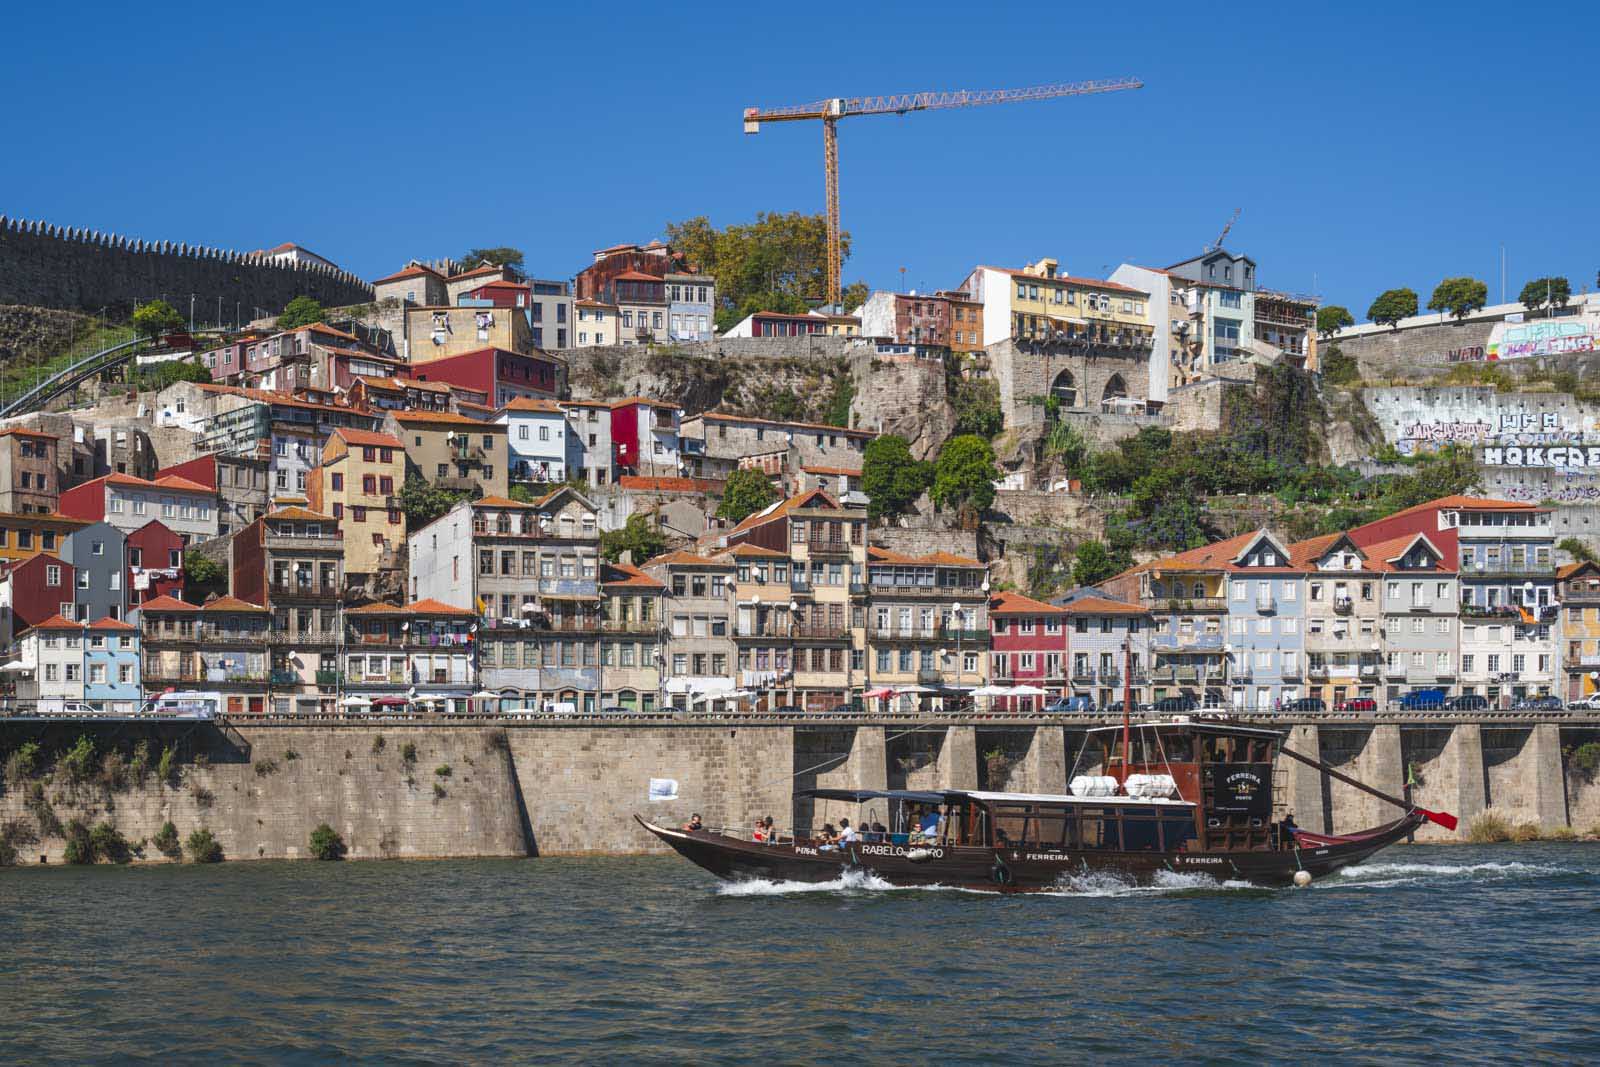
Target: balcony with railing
(304, 590)
(907, 633)
(310, 638)
(808, 631)
(1581, 592)
(1179, 641)
(630, 626)
(1343, 605)
(1186, 605)
(328, 542)
(569, 587)
(822, 546)
(1266, 603)
(954, 593)
(280, 676)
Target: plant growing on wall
(1092, 564)
(202, 847)
(639, 536)
(964, 474)
(166, 841)
(1459, 296)
(891, 479)
(326, 844)
(1392, 305)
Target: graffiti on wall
(1520, 340)
(1510, 430)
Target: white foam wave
(1110, 884)
(848, 882)
(1389, 870)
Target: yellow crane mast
(839, 107)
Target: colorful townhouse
(187, 508)
(1579, 596)
(23, 535)
(359, 483)
(632, 621)
(1108, 648)
(51, 654)
(33, 590)
(927, 633)
(827, 549)
(762, 632)
(1343, 619)
(111, 667)
(536, 441)
(1186, 595)
(29, 478)
(155, 565)
(421, 653)
(500, 375)
(453, 451)
(530, 571)
(644, 437)
(1028, 640)
(700, 652)
(1266, 625)
(98, 554)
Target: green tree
(964, 474)
(783, 254)
(977, 406)
(326, 844)
(639, 535)
(855, 294)
(1553, 292)
(156, 318)
(203, 570)
(160, 375)
(301, 311)
(1575, 548)
(1332, 319)
(1459, 296)
(521, 494)
(1393, 305)
(1091, 564)
(203, 847)
(890, 477)
(503, 256)
(423, 502)
(746, 492)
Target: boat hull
(1015, 869)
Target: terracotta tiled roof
(1017, 604)
(748, 551)
(842, 472)
(267, 396)
(108, 623)
(299, 513)
(230, 603)
(450, 418)
(500, 502)
(528, 403)
(645, 400)
(652, 483)
(416, 270)
(1472, 503)
(1567, 570)
(681, 558)
(1381, 555)
(635, 276)
(943, 559)
(488, 268)
(1097, 605)
(166, 481)
(167, 603)
(426, 606)
(368, 437)
(173, 481)
(621, 574)
(322, 327)
(56, 622)
(21, 431)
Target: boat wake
(1108, 884)
(849, 882)
(1386, 874)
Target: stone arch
(1116, 388)
(1065, 389)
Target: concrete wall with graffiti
(1532, 446)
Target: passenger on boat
(768, 832)
(693, 823)
(829, 837)
(759, 834)
(847, 833)
(880, 832)
(927, 828)
(1288, 829)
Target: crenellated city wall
(51, 266)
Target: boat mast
(1127, 701)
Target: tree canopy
(890, 477)
(503, 256)
(1392, 305)
(977, 406)
(964, 474)
(158, 376)
(1459, 296)
(156, 318)
(746, 492)
(779, 262)
(1092, 564)
(1575, 548)
(1332, 319)
(301, 311)
(1554, 292)
(423, 502)
(639, 535)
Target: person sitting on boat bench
(927, 827)
(768, 833)
(829, 837)
(1288, 829)
(693, 823)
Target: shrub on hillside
(166, 841)
(202, 847)
(326, 844)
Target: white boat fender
(1302, 879)
(919, 855)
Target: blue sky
(1367, 146)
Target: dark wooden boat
(1182, 797)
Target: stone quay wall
(404, 791)
(58, 267)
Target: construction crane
(831, 111)
(1223, 236)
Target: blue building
(98, 553)
(111, 666)
(1266, 625)
(691, 306)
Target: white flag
(663, 789)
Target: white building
(597, 324)
(1169, 315)
(536, 439)
(52, 657)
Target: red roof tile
(1017, 604)
(1097, 605)
(56, 622)
(622, 574)
(167, 603)
(665, 484)
(416, 270)
(108, 623)
(368, 437)
(230, 603)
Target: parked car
(842, 709)
(1177, 704)
(788, 709)
(1467, 702)
(1358, 704)
(1306, 706)
(1077, 705)
(1588, 703)
(1544, 703)
(1423, 700)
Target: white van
(186, 705)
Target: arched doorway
(1065, 389)
(1116, 389)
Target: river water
(1444, 953)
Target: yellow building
(1579, 592)
(359, 484)
(927, 627)
(22, 536)
(441, 332)
(1039, 303)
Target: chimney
(626, 558)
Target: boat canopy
(914, 796)
(1208, 726)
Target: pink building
(644, 436)
(1027, 646)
